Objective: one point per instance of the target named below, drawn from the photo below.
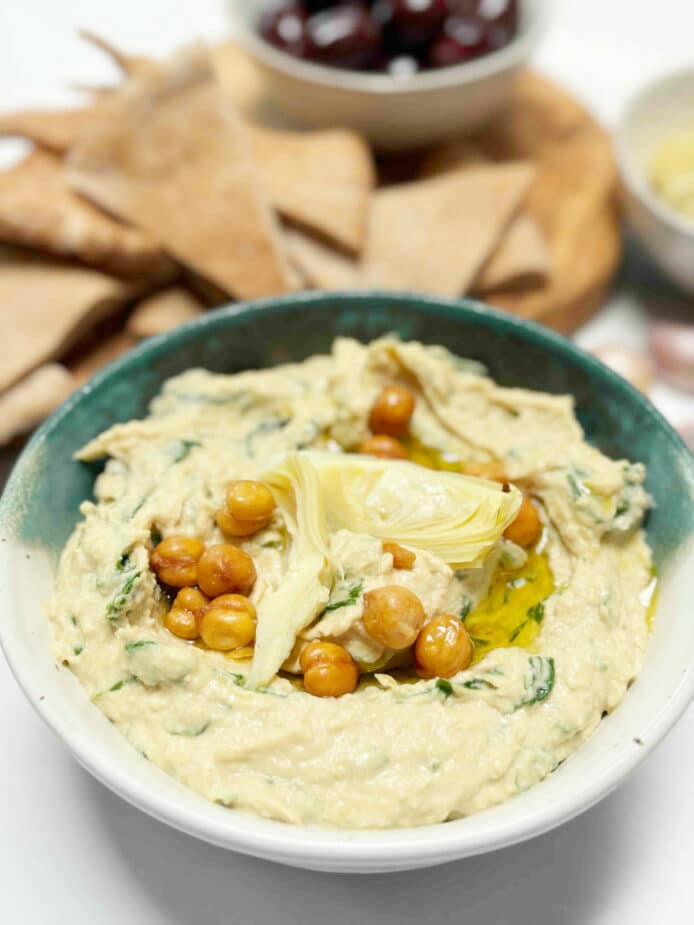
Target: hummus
(559, 629)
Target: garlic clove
(672, 346)
(631, 365)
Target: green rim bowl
(40, 505)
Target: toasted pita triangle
(325, 268)
(521, 259)
(321, 180)
(46, 306)
(91, 360)
(38, 209)
(242, 79)
(54, 130)
(321, 265)
(172, 157)
(163, 311)
(450, 156)
(129, 65)
(27, 403)
(434, 235)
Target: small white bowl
(393, 113)
(662, 107)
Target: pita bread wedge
(163, 311)
(39, 210)
(54, 130)
(172, 157)
(45, 307)
(321, 265)
(87, 362)
(242, 79)
(129, 65)
(521, 260)
(434, 235)
(27, 403)
(320, 180)
(449, 156)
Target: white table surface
(71, 852)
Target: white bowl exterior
(664, 107)
(397, 121)
(656, 700)
(392, 115)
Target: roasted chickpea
(493, 470)
(228, 622)
(329, 670)
(443, 647)
(384, 446)
(249, 507)
(175, 560)
(225, 569)
(392, 411)
(393, 615)
(249, 500)
(182, 619)
(233, 527)
(526, 528)
(402, 558)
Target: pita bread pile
(137, 212)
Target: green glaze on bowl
(41, 501)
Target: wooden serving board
(573, 198)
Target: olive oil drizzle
(512, 611)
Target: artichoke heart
(305, 589)
(456, 517)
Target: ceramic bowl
(40, 507)
(660, 108)
(392, 113)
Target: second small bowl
(661, 108)
(392, 113)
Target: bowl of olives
(404, 73)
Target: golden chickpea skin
(402, 558)
(249, 507)
(383, 446)
(443, 648)
(225, 569)
(393, 616)
(228, 622)
(186, 610)
(175, 560)
(249, 500)
(527, 527)
(228, 524)
(392, 411)
(329, 670)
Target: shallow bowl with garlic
(41, 506)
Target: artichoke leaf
(305, 588)
(456, 517)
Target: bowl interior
(40, 507)
(246, 18)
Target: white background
(71, 852)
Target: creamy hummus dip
(558, 628)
